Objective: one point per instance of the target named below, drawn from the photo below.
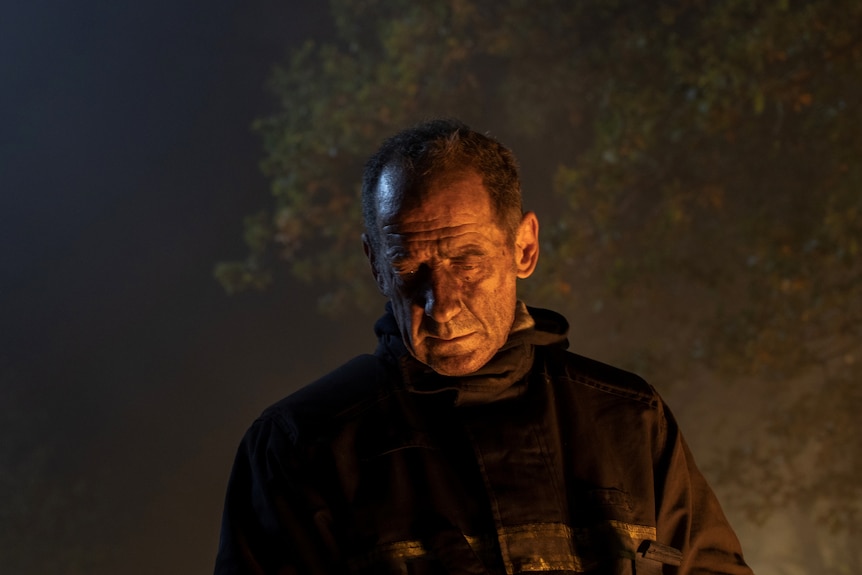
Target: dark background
(127, 376)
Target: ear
(527, 245)
(372, 261)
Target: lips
(445, 332)
(450, 333)
(449, 338)
(463, 344)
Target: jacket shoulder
(580, 370)
(350, 389)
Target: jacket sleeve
(688, 514)
(270, 524)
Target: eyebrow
(396, 253)
(470, 250)
(399, 254)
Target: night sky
(127, 376)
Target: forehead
(455, 199)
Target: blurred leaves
(701, 161)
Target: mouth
(434, 333)
(454, 338)
(450, 338)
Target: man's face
(449, 270)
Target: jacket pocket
(652, 556)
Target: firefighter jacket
(542, 462)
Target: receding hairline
(421, 189)
(438, 150)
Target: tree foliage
(701, 161)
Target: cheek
(408, 315)
(494, 298)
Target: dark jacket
(380, 467)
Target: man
(471, 441)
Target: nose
(442, 297)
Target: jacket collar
(501, 378)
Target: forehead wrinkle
(412, 231)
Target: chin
(455, 366)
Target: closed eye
(466, 264)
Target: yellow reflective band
(556, 546)
(529, 548)
(400, 552)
